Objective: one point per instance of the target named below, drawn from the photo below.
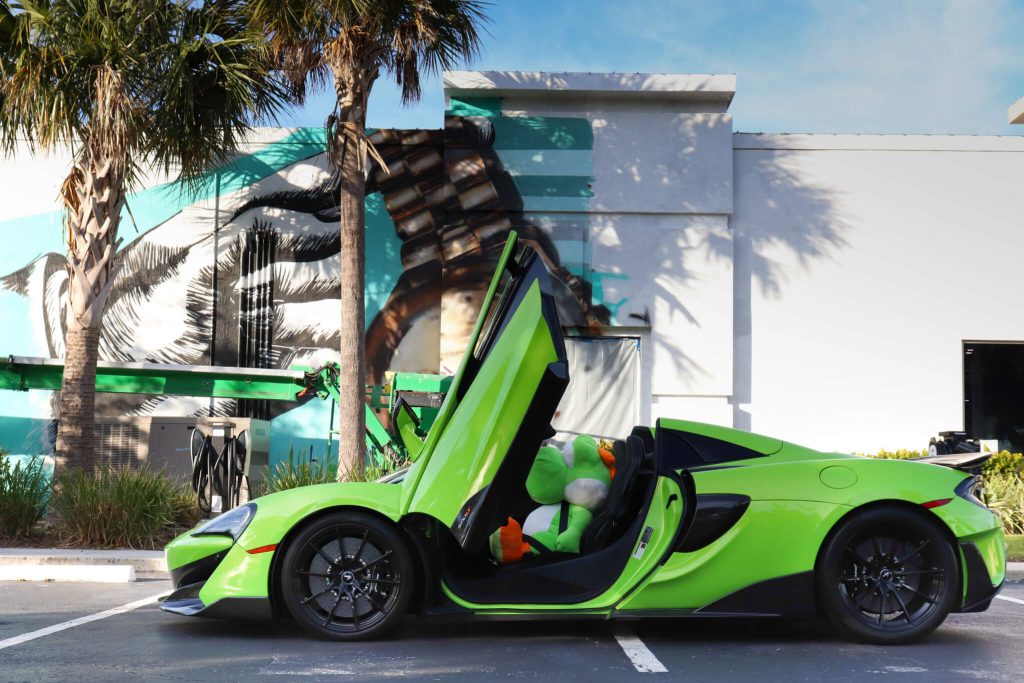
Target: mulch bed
(44, 535)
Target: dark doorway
(994, 392)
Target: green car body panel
(474, 441)
(790, 498)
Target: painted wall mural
(244, 272)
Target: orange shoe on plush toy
(507, 543)
(608, 459)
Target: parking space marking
(1009, 599)
(63, 626)
(642, 658)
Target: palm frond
(175, 83)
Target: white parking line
(1016, 600)
(642, 658)
(56, 628)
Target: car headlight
(232, 523)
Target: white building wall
(862, 263)
(662, 195)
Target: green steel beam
(21, 373)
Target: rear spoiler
(965, 462)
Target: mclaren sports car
(699, 520)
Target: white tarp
(602, 399)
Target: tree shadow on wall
(669, 230)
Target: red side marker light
(272, 548)
(929, 505)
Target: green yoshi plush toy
(570, 485)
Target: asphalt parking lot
(144, 643)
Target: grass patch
(301, 470)
(293, 474)
(24, 495)
(1016, 552)
(122, 508)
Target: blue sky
(826, 66)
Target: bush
(292, 474)
(1004, 464)
(24, 494)
(303, 471)
(1006, 497)
(122, 507)
(901, 454)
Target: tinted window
(677, 450)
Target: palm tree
(125, 83)
(349, 43)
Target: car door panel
(483, 426)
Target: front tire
(347, 576)
(888, 576)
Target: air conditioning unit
(165, 442)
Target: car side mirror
(407, 427)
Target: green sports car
(699, 520)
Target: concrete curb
(1015, 571)
(94, 573)
(60, 564)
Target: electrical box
(165, 442)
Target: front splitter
(186, 602)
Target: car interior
(606, 544)
(557, 577)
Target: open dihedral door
(500, 406)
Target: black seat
(616, 515)
(646, 436)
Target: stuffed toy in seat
(570, 486)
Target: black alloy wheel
(347, 576)
(888, 575)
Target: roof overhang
(716, 88)
(1016, 112)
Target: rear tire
(887, 576)
(347, 576)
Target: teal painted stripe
(153, 206)
(547, 161)
(553, 186)
(474, 106)
(573, 250)
(24, 435)
(542, 132)
(559, 204)
(42, 233)
(383, 255)
(16, 322)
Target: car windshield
(507, 287)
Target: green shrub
(901, 454)
(122, 507)
(1004, 464)
(1006, 497)
(24, 494)
(298, 472)
(301, 470)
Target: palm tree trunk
(352, 427)
(94, 196)
(352, 84)
(78, 398)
